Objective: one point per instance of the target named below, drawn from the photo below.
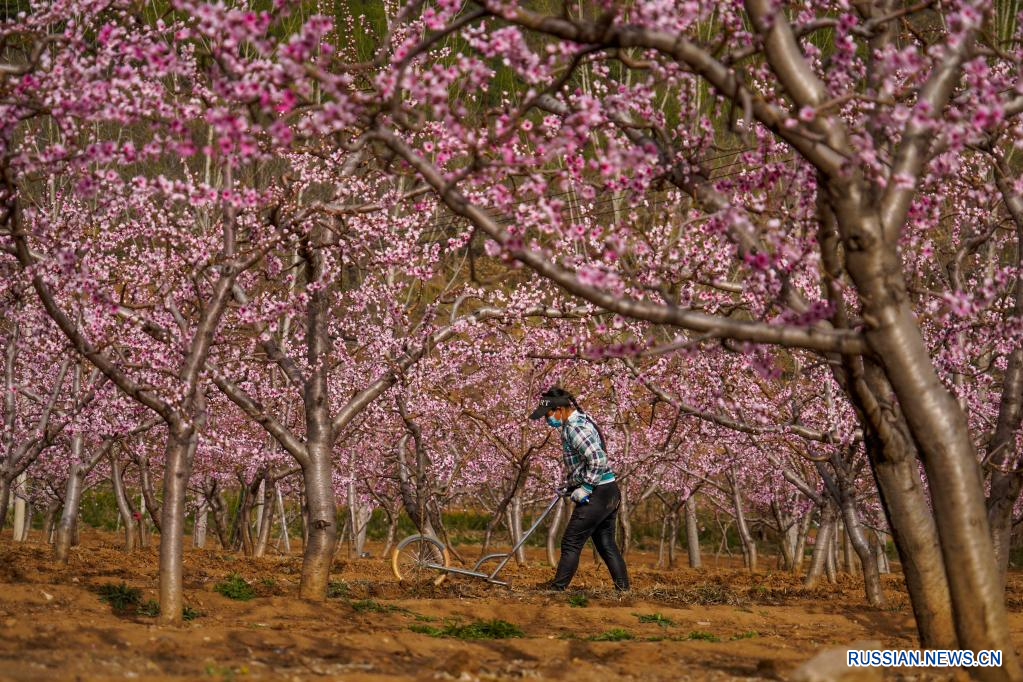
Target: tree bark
(749, 545)
(625, 518)
(514, 512)
(821, 547)
(148, 493)
(553, 527)
(804, 531)
(692, 533)
(937, 424)
(284, 522)
(69, 515)
(5, 499)
(178, 456)
(831, 556)
(1006, 483)
(131, 530)
(49, 521)
(856, 540)
(894, 464)
(266, 519)
(322, 523)
(202, 514)
(18, 531)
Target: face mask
(551, 421)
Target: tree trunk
(882, 553)
(5, 499)
(692, 533)
(131, 530)
(69, 515)
(938, 426)
(178, 455)
(848, 554)
(820, 547)
(218, 505)
(18, 531)
(749, 546)
(672, 537)
(805, 524)
(202, 514)
(662, 544)
(916, 539)
(831, 561)
(359, 515)
(857, 542)
(322, 524)
(284, 522)
(257, 508)
(786, 535)
(625, 518)
(26, 528)
(515, 528)
(49, 519)
(266, 519)
(552, 532)
(1002, 455)
(148, 493)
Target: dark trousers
(595, 519)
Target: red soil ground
(53, 625)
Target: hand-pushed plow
(420, 559)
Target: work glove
(580, 496)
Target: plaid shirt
(585, 459)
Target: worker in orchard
(593, 489)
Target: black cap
(554, 397)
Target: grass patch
(705, 636)
(235, 587)
(371, 606)
(120, 596)
(579, 601)
(149, 608)
(479, 629)
(657, 618)
(612, 635)
(749, 634)
(338, 589)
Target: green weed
(657, 618)
(705, 636)
(612, 635)
(337, 589)
(579, 601)
(120, 596)
(149, 608)
(749, 634)
(368, 605)
(480, 629)
(235, 587)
